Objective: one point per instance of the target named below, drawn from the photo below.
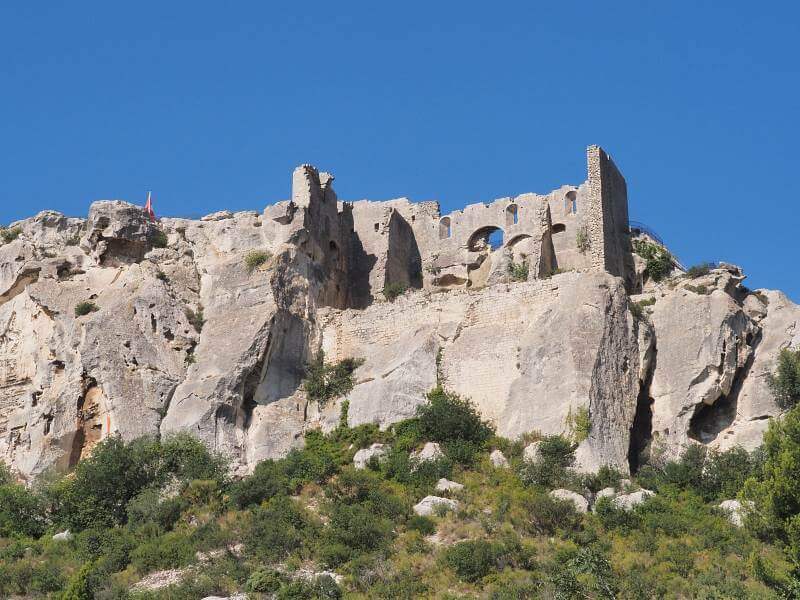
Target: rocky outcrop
(116, 324)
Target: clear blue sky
(211, 105)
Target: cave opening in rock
(641, 429)
(709, 420)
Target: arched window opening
(571, 202)
(377, 226)
(559, 228)
(512, 215)
(444, 228)
(486, 237)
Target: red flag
(148, 208)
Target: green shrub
(391, 291)
(356, 528)
(518, 271)
(169, 551)
(21, 511)
(276, 529)
(74, 239)
(322, 588)
(158, 239)
(8, 235)
(268, 480)
(161, 276)
(658, 260)
(425, 525)
(79, 586)
(697, 289)
(265, 581)
(556, 454)
(148, 508)
(473, 560)
(325, 382)
(699, 270)
(545, 515)
(449, 419)
(579, 424)
(255, 258)
(195, 319)
(785, 381)
(84, 308)
(582, 240)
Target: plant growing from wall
(391, 291)
(658, 260)
(195, 319)
(159, 239)
(785, 381)
(84, 308)
(518, 271)
(582, 240)
(8, 235)
(699, 270)
(255, 258)
(326, 381)
(579, 424)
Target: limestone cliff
(114, 324)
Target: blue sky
(211, 105)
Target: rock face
(119, 325)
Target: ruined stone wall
(608, 215)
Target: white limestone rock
(63, 536)
(531, 452)
(445, 485)
(631, 500)
(735, 511)
(608, 492)
(431, 451)
(362, 457)
(581, 504)
(498, 459)
(429, 505)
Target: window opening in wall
(444, 228)
(512, 215)
(377, 226)
(559, 228)
(489, 236)
(571, 202)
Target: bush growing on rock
(518, 271)
(326, 381)
(255, 258)
(84, 308)
(159, 239)
(785, 381)
(392, 291)
(453, 422)
(556, 455)
(658, 260)
(8, 235)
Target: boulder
(632, 500)
(531, 452)
(581, 504)
(362, 457)
(430, 452)
(498, 459)
(735, 511)
(445, 485)
(428, 505)
(63, 536)
(608, 492)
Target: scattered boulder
(427, 506)
(430, 452)
(531, 452)
(632, 500)
(498, 459)
(735, 511)
(581, 503)
(608, 492)
(363, 456)
(445, 485)
(234, 597)
(161, 579)
(64, 536)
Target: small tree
(582, 240)
(326, 381)
(785, 382)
